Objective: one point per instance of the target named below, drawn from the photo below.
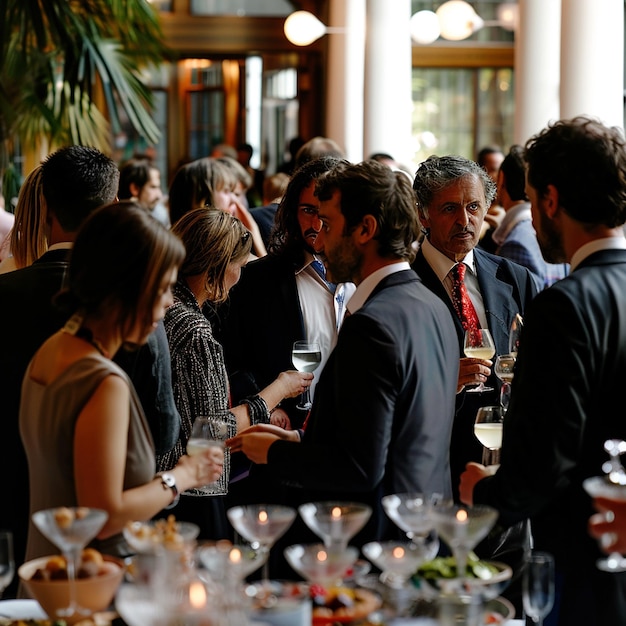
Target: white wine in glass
(306, 357)
(479, 345)
(488, 430)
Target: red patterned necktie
(461, 300)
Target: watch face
(168, 479)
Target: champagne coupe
(335, 522)
(319, 565)
(70, 530)
(462, 528)
(399, 560)
(479, 345)
(7, 563)
(611, 485)
(207, 432)
(262, 525)
(505, 364)
(515, 333)
(306, 357)
(538, 586)
(488, 430)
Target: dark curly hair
(286, 237)
(586, 162)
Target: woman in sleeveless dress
(84, 430)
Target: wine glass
(479, 345)
(462, 528)
(488, 430)
(611, 485)
(515, 333)
(335, 522)
(210, 431)
(7, 562)
(504, 369)
(261, 525)
(538, 586)
(70, 529)
(306, 356)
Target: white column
(537, 67)
(344, 86)
(592, 60)
(388, 102)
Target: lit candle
(398, 552)
(235, 555)
(336, 524)
(197, 595)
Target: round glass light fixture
(424, 27)
(302, 28)
(458, 20)
(508, 15)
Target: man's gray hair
(437, 173)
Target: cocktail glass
(335, 522)
(261, 525)
(399, 560)
(223, 559)
(70, 530)
(462, 528)
(319, 565)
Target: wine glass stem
(305, 399)
(71, 557)
(460, 557)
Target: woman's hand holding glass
(200, 469)
(293, 383)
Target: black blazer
(383, 407)
(260, 323)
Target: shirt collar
(364, 290)
(441, 264)
(308, 259)
(606, 243)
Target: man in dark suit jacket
(567, 393)
(383, 409)
(453, 195)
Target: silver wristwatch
(169, 482)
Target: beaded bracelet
(257, 407)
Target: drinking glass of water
(538, 586)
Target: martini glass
(70, 530)
(262, 525)
(319, 565)
(612, 485)
(462, 528)
(335, 522)
(223, 559)
(398, 560)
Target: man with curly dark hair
(567, 398)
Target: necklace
(74, 327)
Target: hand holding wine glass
(479, 344)
(538, 586)
(306, 357)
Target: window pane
(457, 111)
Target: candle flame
(263, 517)
(398, 552)
(461, 515)
(235, 555)
(336, 512)
(197, 595)
(322, 556)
